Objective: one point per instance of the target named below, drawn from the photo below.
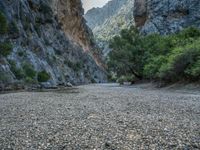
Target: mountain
(166, 16)
(109, 20)
(46, 42)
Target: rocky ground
(100, 117)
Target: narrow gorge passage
(101, 116)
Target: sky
(88, 4)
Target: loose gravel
(100, 117)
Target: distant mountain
(109, 20)
(97, 16)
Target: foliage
(76, 66)
(3, 24)
(168, 58)
(43, 76)
(29, 70)
(127, 78)
(44, 8)
(19, 73)
(13, 29)
(21, 53)
(3, 76)
(5, 48)
(126, 56)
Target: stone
(68, 84)
(54, 38)
(166, 16)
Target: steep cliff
(97, 16)
(166, 16)
(108, 21)
(46, 41)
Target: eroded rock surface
(51, 36)
(166, 16)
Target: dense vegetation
(3, 24)
(43, 76)
(168, 58)
(5, 48)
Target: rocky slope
(166, 16)
(49, 37)
(108, 21)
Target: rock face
(109, 20)
(166, 16)
(50, 36)
(97, 16)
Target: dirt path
(96, 117)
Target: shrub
(13, 29)
(19, 74)
(190, 32)
(77, 66)
(29, 80)
(194, 70)
(169, 58)
(43, 76)
(127, 78)
(151, 69)
(182, 63)
(29, 70)
(44, 8)
(5, 48)
(68, 63)
(21, 53)
(3, 77)
(3, 24)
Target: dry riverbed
(98, 117)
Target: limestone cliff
(48, 36)
(166, 16)
(70, 15)
(108, 21)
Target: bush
(168, 58)
(182, 63)
(29, 70)
(3, 77)
(128, 78)
(5, 48)
(44, 8)
(13, 29)
(3, 24)
(151, 69)
(77, 66)
(19, 73)
(21, 53)
(43, 76)
(194, 70)
(29, 80)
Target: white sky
(88, 4)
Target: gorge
(125, 76)
(50, 38)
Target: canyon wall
(49, 36)
(166, 16)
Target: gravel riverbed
(100, 117)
